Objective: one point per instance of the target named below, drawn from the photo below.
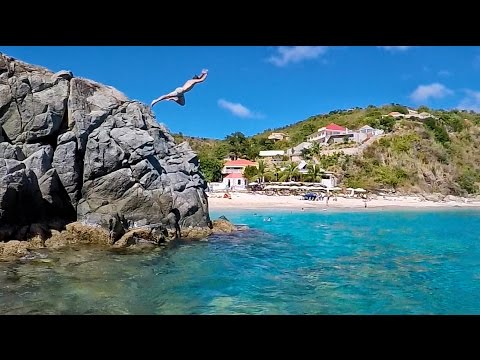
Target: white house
(233, 173)
(235, 181)
(295, 153)
(272, 156)
(322, 135)
(277, 136)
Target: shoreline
(255, 202)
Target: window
(239, 182)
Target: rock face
(72, 149)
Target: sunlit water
(363, 262)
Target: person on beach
(178, 95)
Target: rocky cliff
(73, 149)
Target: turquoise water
(364, 262)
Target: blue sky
(252, 88)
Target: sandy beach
(260, 201)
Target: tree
(220, 150)
(290, 172)
(210, 167)
(314, 172)
(401, 109)
(276, 171)
(261, 170)
(315, 150)
(238, 144)
(252, 149)
(423, 108)
(250, 172)
(392, 176)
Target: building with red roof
(324, 133)
(233, 173)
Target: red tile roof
(240, 162)
(234, 176)
(333, 126)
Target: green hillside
(430, 155)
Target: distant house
(323, 134)
(277, 136)
(411, 114)
(295, 153)
(272, 156)
(232, 172)
(366, 129)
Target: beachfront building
(278, 136)
(232, 173)
(328, 178)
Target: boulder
(74, 149)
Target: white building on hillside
(278, 136)
(323, 134)
(272, 156)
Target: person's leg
(168, 96)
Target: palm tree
(290, 172)
(276, 170)
(250, 172)
(261, 170)
(315, 150)
(314, 171)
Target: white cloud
(425, 92)
(295, 54)
(394, 49)
(444, 73)
(238, 109)
(471, 101)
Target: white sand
(261, 201)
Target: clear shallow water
(365, 262)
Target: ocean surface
(331, 262)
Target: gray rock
(63, 74)
(67, 165)
(73, 149)
(103, 155)
(8, 151)
(40, 161)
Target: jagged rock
(452, 198)
(78, 233)
(117, 226)
(196, 233)
(222, 226)
(433, 197)
(13, 152)
(13, 248)
(141, 236)
(73, 149)
(67, 165)
(40, 161)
